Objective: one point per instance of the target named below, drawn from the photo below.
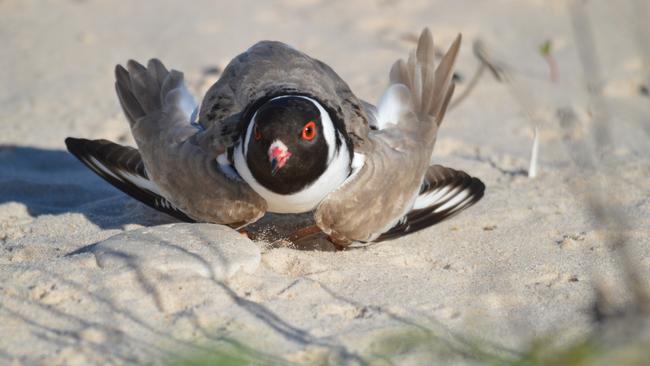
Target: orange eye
(309, 131)
(258, 134)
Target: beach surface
(88, 275)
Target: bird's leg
(303, 233)
(310, 230)
(244, 233)
(241, 229)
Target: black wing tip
(77, 146)
(71, 143)
(120, 71)
(84, 150)
(478, 187)
(81, 147)
(421, 219)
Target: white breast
(306, 199)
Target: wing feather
(122, 167)
(398, 154)
(444, 193)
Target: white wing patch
(182, 99)
(456, 201)
(451, 198)
(140, 182)
(358, 162)
(392, 105)
(225, 165)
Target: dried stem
(470, 86)
(532, 169)
(484, 63)
(546, 51)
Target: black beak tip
(274, 166)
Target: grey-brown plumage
(118, 165)
(174, 152)
(449, 191)
(185, 168)
(270, 69)
(396, 157)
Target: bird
(282, 132)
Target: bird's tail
(430, 87)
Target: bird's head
(289, 142)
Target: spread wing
(122, 167)
(444, 193)
(397, 155)
(181, 170)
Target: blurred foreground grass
(613, 345)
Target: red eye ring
(257, 133)
(309, 131)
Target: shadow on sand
(51, 182)
(54, 182)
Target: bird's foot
(339, 245)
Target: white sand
(520, 264)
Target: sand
(520, 265)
